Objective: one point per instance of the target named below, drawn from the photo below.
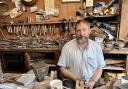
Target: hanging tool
(2, 33)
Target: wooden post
(27, 60)
(126, 64)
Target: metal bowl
(29, 3)
(4, 7)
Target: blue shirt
(82, 63)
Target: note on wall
(49, 7)
(89, 3)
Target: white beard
(82, 40)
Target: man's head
(82, 29)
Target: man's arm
(94, 78)
(68, 74)
(100, 64)
(97, 74)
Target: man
(82, 58)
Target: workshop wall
(66, 11)
(124, 20)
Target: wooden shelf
(37, 23)
(114, 61)
(31, 23)
(102, 16)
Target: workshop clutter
(39, 77)
(104, 18)
(35, 35)
(92, 8)
(15, 8)
(104, 29)
(108, 76)
(101, 31)
(38, 28)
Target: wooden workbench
(56, 52)
(27, 52)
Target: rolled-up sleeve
(101, 62)
(63, 58)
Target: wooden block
(40, 69)
(79, 84)
(26, 79)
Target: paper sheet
(89, 3)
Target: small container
(56, 84)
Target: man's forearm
(67, 73)
(97, 74)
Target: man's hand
(90, 84)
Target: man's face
(82, 33)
